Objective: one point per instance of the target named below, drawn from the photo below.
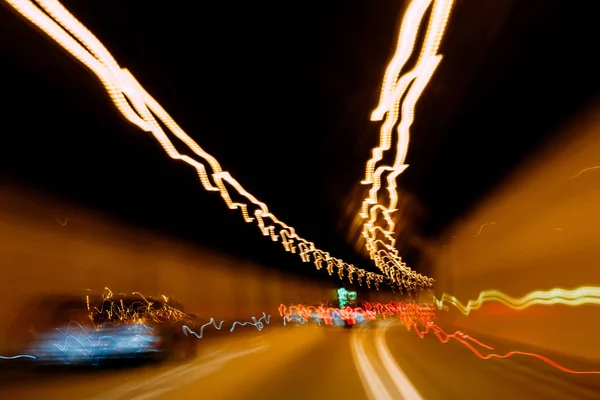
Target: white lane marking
(372, 383)
(150, 395)
(203, 371)
(178, 377)
(209, 369)
(155, 389)
(118, 391)
(404, 385)
(167, 375)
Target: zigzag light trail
(187, 331)
(399, 95)
(259, 323)
(139, 108)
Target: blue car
(80, 331)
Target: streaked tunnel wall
(41, 256)
(542, 232)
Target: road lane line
(374, 386)
(404, 385)
(184, 375)
(156, 388)
(153, 394)
(170, 374)
(120, 390)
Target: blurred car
(67, 330)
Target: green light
(345, 297)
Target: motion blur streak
(572, 297)
(545, 236)
(399, 96)
(140, 109)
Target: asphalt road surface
(310, 362)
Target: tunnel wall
(40, 255)
(545, 234)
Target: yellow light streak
(568, 297)
(398, 99)
(141, 109)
